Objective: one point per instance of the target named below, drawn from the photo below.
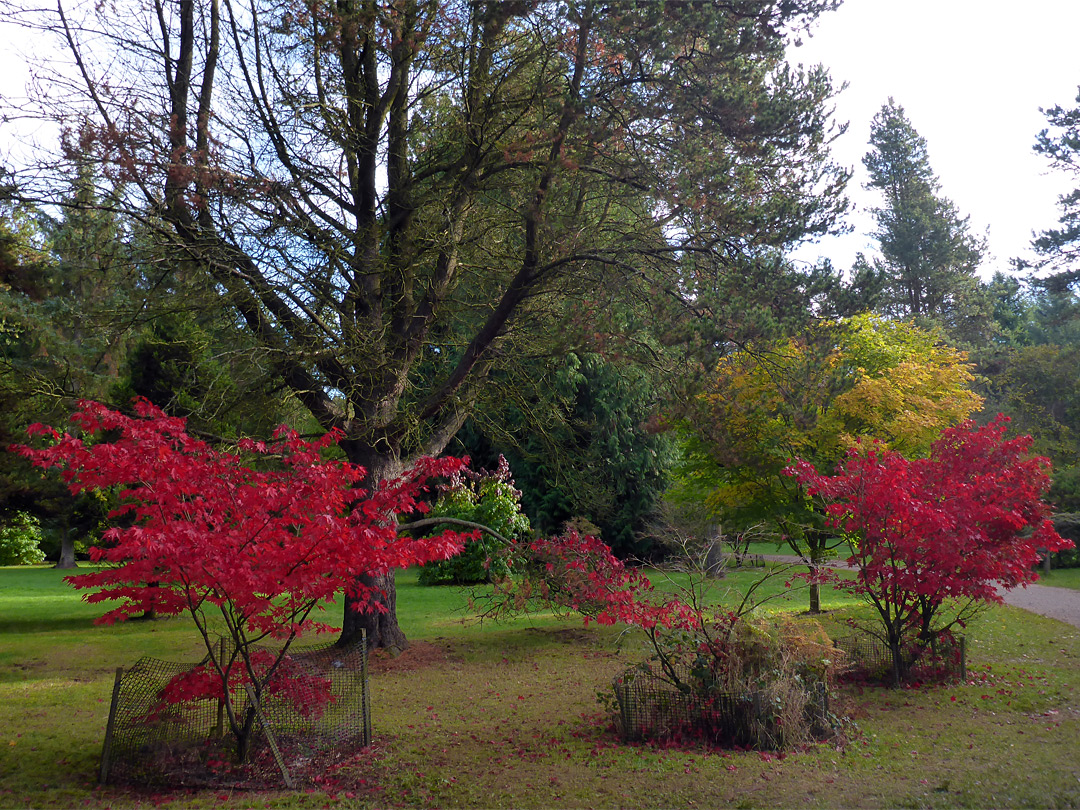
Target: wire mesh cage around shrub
(650, 707)
(869, 659)
(322, 717)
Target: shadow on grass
(23, 626)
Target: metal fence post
(365, 700)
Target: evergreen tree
(61, 281)
(1013, 309)
(92, 306)
(929, 258)
(580, 447)
(1060, 143)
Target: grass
(769, 547)
(506, 715)
(1061, 578)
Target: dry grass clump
(749, 683)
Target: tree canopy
(581, 441)
(814, 396)
(929, 258)
(396, 199)
(253, 552)
(934, 538)
(1060, 144)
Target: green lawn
(506, 716)
(1061, 578)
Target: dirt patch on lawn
(565, 635)
(418, 655)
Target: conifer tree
(929, 257)
(1060, 143)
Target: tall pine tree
(929, 258)
(1060, 247)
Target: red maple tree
(932, 540)
(250, 554)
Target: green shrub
(1067, 524)
(488, 498)
(20, 541)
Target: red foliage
(703, 654)
(211, 533)
(955, 525)
(309, 694)
(201, 533)
(579, 572)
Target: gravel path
(1062, 604)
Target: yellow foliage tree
(815, 396)
(902, 388)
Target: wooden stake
(224, 686)
(280, 760)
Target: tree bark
(817, 549)
(67, 550)
(815, 591)
(375, 614)
(381, 625)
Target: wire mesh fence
(650, 707)
(315, 711)
(870, 659)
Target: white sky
(971, 75)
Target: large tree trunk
(376, 615)
(67, 549)
(817, 552)
(815, 591)
(381, 625)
